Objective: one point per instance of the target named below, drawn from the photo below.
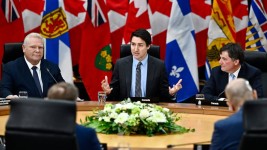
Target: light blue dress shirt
(143, 76)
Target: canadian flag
(159, 14)
(137, 18)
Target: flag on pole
(181, 59)
(11, 24)
(54, 28)
(221, 31)
(95, 56)
(257, 27)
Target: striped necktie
(138, 91)
(36, 80)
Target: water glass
(199, 98)
(102, 97)
(23, 94)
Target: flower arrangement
(128, 117)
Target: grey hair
(238, 91)
(32, 35)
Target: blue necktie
(232, 76)
(36, 79)
(138, 91)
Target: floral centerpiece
(129, 117)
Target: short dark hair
(64, 91)
(143, 34)
(234, 50)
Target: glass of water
(23, 94)
(102, 97)
(199, 98)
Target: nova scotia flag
(54, 28)
(181, 59)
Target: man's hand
(105, 85)
(175, 88)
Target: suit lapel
(128, 74)
(150, 76)
(26, 73)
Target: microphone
(218, 97)
(51, 75)
(175, 145)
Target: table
(201, 118)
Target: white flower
(144, 113)
(166, 109)
(113, 115)
(106, 119)
(157, 116)
(122, 117)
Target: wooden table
(201, 118)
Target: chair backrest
(41, 124)
(255, 125)
(12, 51)
(154, 50)
(258, 60)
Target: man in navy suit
(154, 80)
(18, 74)
(232, 65)
(86, 137)
(228, 132)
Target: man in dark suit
(228, 132)
(86, 137)
(232, 65)
(153, 76)
(18, 75)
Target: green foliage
(128, 118)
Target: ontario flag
(54, 28)
(257, 27)
(95, 55)
(181, 59)
(11, 24)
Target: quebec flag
(54, 29)
(181, 59)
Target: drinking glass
(199, 98)
(23, 94)
(102, 97)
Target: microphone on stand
(218, 97)
(51, 75)
(184, 144)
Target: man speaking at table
(140, 75)
(30, 73)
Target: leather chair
(258, 60)
(12, 51)
(154, 51)
(254, 123)
(41, 124)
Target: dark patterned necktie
(36, 79)
(138, 92)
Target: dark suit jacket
(87, 138)
(228, 132)
(17, 77)
(157, 81)
(219, 79)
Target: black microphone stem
(51, 75)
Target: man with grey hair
(30, 73)
(228, 132)
(86, 137)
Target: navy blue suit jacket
(87, 138)
(157, 80)
(215, 86)
(17, 77)
(228, 132)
